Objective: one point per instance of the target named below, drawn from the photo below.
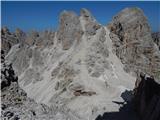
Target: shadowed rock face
(156, 38)
(147, 98)
(133, 43)
(7, 73)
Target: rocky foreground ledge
(82, 71)
(147, 98)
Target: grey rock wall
(133, 43)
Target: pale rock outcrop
(86, 14)
(45, 39)
(70, 30)
(32, 38)
(97, 53)
(21, 36)
(91, 25)
(40, 39)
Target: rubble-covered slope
(15, 105)
(78, 72)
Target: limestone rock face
(39, 39)
(70, 30)
(45, 39)
(96, 56)
(133, 43)
(86, 14)
(91, 25)
(20, 35)
(32, 38)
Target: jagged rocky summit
(133, 43)
(81, 68)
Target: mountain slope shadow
(126, 111)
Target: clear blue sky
(44, 15)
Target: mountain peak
(69, 29)
(86, 14)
